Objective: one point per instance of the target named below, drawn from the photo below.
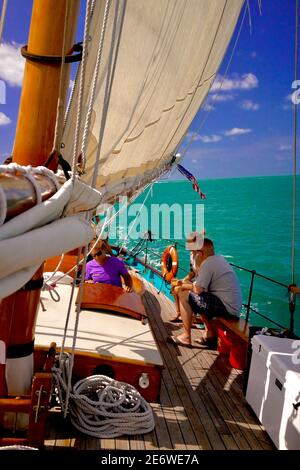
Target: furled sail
(158, 61)
(42, 232)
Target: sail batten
(161, 58)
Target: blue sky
(249, 130)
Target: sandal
(175, 320)
(176, 341)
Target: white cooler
(273, 389)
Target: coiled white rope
(103, 407)
(29, 173)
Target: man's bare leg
(209, 331)
(186, 316)
(175, 292)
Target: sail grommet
(169, 263)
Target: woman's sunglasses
(99, 253)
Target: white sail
(158, 62)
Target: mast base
(34, 406)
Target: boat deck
(202, 406)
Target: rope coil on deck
(103, 407)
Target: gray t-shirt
(217, 276)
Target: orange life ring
(169, 263)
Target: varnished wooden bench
(238, 326)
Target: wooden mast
(33, 143)
(38, 106)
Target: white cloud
(11, 64)
(209, 139)
(284, 147)
(208, 107)
(249, 105)
(4, 120)
(221, 97)
(247, 81)
(192, 136)
(288, 105)
(236, 131)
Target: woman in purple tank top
(107, 269)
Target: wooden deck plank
(92, 443)
(175, 434)
(161, 429)
(230, 443)
(50, 440)
(180, 413)
(150, 441)
(107, 444)
(136, 442)
(122, 443)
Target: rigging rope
(295, 148)
(60, 108)
(2, 20)
(95, 78)
(138, 214)
(81, 85)
(77, 309)
(78, 73)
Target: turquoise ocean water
(250, 222)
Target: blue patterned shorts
(208, 304)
